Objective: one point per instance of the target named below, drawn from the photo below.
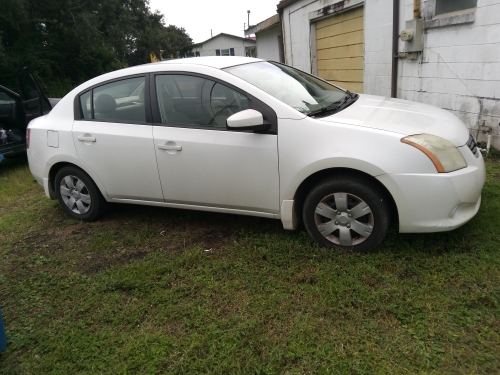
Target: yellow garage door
(340, 44)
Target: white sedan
(253, 137)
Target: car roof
(218, 62)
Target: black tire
(89, 204)
(320, 213)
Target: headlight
(442, 152)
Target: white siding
(267, 44)
(224, 42)
(459, 69)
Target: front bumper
(437, 202)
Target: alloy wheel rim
(344, 219)
(75, 195)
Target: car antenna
(123, 66)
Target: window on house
(224, 52)
(448, 6)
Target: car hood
(403, 117)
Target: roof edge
(230, 35)
(283, 4)
(266, 24)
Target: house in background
(452, 60)
(224, 45)
(269, 39)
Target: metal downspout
(395, 44)
(416, 9)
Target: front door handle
(86, 138)
(170, 147)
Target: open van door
(17, 110)
(35, 102)
(12, 123)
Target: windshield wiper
(348, 99)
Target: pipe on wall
(395, 45)
(416, 9)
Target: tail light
(28, 133)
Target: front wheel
(347, 213)
(78, 195)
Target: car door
(12, 122)
(202, 163)
(34, 100)
(113, 136)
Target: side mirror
(248, 119)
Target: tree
(67, 42)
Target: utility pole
(248, 18)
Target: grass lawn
(157, 291)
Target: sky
(222, 16)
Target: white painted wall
(267, 43)
(224, 42)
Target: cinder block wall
(459, 69)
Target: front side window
(196, 101)
(120, 101)
(448, 6)
(299, 90)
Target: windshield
(299, 90)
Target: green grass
(154, 291)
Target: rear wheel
(347, 213)
(78, 194)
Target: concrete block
(481, 88)
(412, 83)
(491, 107)
(487, 15)
(429, 70)
(470, 54)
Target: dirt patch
(129, 233)
(138, 231)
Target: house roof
(223, 34)
(271, 21)
(284, 3)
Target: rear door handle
(170, 147)
(86, 139)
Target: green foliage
(67, 42)
(494, 152)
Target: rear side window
(120, 101)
